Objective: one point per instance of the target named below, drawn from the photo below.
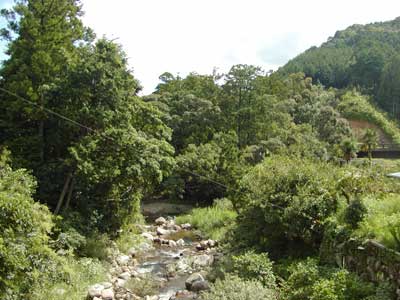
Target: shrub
(235, 288)
(354, 213)
(285, 204)
(254, 266)
(70, 281)
(309, 281)
(25, 226)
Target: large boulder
(201, 285)
(192, 279)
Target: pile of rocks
(191, 260)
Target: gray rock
(162, 231)
(172, 243)
(200, 286)
(106, 285)
(203, 260)
(95, 290)
(160, 221)
(192, 279)
(107, 294)
(123, 260)
(180, 242)
(147, 236)
(212, 243)
(132, 252)
(186, 226)
(125, 275)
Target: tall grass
(73, 279)
(382, 222)
(214, 222)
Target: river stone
(200, 286)
(119, 282)
(212, 243)
(106, 285)
(155, 297)
(172, 243)
(125, 275)
(160, 221)
(186, 226)
(162, 231)
(180, 242)
(95, 290)
(107, 294)
(203, 260)
(192, 279)
(132, 252)
(123, 260)
(148, 236)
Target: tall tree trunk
(41, 130)
(71, 188)
(63, 192)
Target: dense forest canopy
(267, 155)
(363, 56)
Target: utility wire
(95, 131)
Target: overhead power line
(65, 118)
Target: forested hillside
(364, 56)
(267, 160)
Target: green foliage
(235, 288)
(361, 55)
(382, 221)
(253, 266)
(214, 222)
(308, 280)
(349, 149)
(355, 212)
(71, 280)
(25, 228)
(370, 141)
(142, 287)
(129, 237)
(285, 204)
(355, 106)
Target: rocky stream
(173, 261)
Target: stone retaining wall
(371, 260)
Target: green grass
(73, 280)
(382, 222)
(213, 222)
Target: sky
(181, 36)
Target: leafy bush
(70, 281)
(251, 266)
(214, 222)
(25, 226)
(235, 288)
(309, 281)
(128, 238)
(284, 205)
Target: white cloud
(188, 35)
